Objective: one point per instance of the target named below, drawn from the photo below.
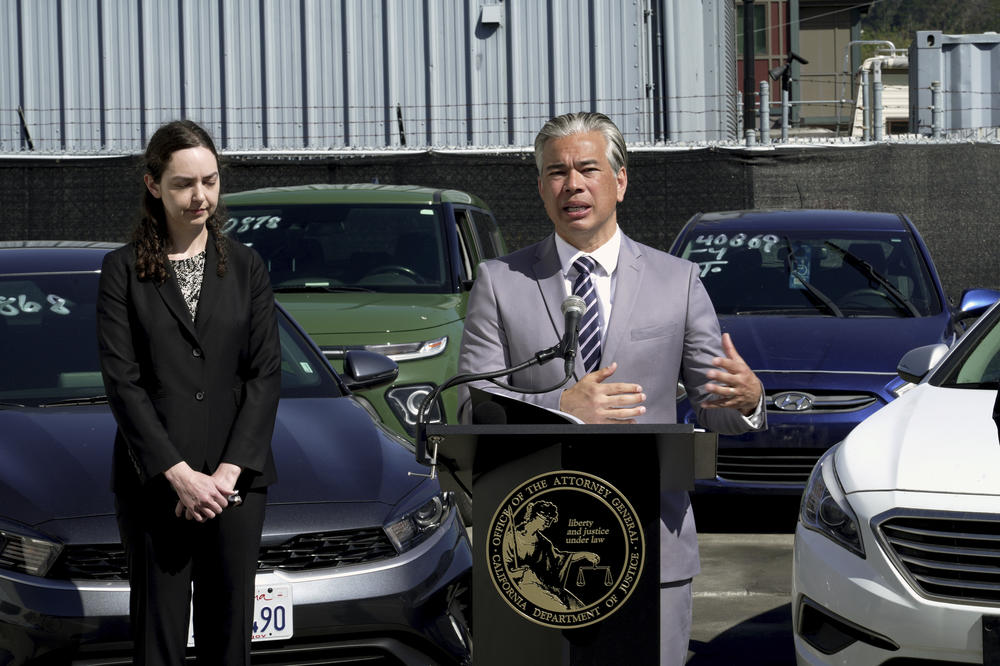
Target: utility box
(966, 66)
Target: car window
(860, 274)
(304, 373)
(979, 363)
(48, 329)
(388, 248)
(488, 233)
(468, 244)
(50, 320)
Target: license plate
(991, 640)
(272, 614)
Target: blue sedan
(822, 305)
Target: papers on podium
(495, 409)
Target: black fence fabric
(948, 190)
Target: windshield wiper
(868, 270)
(323, 288)
(814, 291)
(70, 402)
(8, 403)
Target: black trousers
(167, 555)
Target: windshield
(976, 364)
(813, 273)
(347, 247)
(48, 331)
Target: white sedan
(897, 549)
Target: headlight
(416, 526)
(412, 350)
(402, 351)
(825, 508)
(405, 401)
(27, 554)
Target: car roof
(19, 257)
(355, 193)
(765, 220)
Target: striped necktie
(590, 324)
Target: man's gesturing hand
(734, 383)
(593, 401)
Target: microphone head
(574, 304)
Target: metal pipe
(848, 72)
(739, 116)
(937, 110)
(863, 42)
(785, 108)
(751, 138)
(878, 123)
(866, 96)
(765, 112)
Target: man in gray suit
(654, 324)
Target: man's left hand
(734, 383)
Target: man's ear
(622, 181)
(151, 185)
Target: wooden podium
(566, 534)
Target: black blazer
(205, 391)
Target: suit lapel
(548, 276)
(627, 284)
(210, 286)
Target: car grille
(952, 557)
(768, 466)
(321, 550)
(803, 402)
(325, 550)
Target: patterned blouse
(189, 273)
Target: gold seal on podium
(565, 549)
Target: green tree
(898, 20)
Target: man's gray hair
(581, 122)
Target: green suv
(385, 268)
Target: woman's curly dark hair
(150, 237)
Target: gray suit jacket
(662, 328)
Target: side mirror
(365, 369)
(918, 362)
(975, 302)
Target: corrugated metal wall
(85, 76)
(700, 65)
(965, 66)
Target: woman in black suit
(191, 362)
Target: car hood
(829, 343)
(929, 440)
(57, 461)
(354, 313)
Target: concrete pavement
(742, 609)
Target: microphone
(573, 308)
